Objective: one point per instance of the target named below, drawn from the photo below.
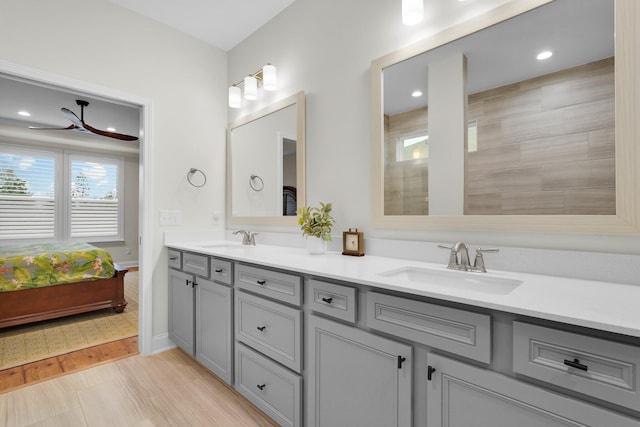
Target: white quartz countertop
(611, 307)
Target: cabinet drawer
(269, 386)
(600, 368)
(457, 331)
(280, 286)
(196, 264)
(271, 328)
(334, 300)
(175, 259)
(221, 271)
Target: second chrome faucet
(248, 238)
(459, 258)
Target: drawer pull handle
(576, 364)
(261, 282)
(400, 360)
(430, 371)
(188, 282)
(261, 386)
(173, 258)
(327, 300)
(218, 270)
(261, 328)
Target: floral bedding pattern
(38, 265)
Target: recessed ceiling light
(24, 113)
(416, 93)
(111, 129)
(546, 54)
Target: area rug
(49, 338)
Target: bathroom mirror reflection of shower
(265, 164)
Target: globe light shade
(250, 88)
(235, 97)
(412, 11)
(269, 77)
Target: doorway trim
(145, 163)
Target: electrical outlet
(170, 217)
(215, 218)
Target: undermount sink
(222, 245)
(476, 282)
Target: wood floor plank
(11, 378)
(41, 370)
(74, 417)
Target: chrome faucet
(462, 262)
(248, 238)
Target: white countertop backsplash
(594, 290)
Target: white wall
(102, 44)
(325, 48)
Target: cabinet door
(355, 378)
(181, 313)
(214, 338)
(461, 395)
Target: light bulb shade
(235, 97)
(269, 77)
(250, 88)
(412, 11)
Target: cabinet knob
(327, 300)
(188, 282)
(430, 371)
(261, 282)
(400, 361)
(261, 386)
(261, 328)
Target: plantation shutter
(94, 203)
(27, 195)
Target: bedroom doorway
(141, 242)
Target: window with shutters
(59, 195)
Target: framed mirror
(500, 140)
(266, 164)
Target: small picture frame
(353, 242)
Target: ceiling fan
(78, 124)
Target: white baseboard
(160, 343)
(128, 264)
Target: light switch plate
(170, 217)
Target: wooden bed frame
(50, 302)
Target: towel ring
(256, 183)
(190, 174)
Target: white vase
(316, 246)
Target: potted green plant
(316, 224)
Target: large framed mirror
(496, 139)
(266, 164)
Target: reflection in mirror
(265, 164)
(551, 149)
(539, 137)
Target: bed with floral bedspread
(85, 279)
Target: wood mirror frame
(627, 153)
(298, 100)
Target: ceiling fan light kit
(267, 76)
(79, 125)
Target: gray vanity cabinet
(356, 378)
(461, 395)
(181, 310)
(214, 332)
(201, 309)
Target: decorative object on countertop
(353, 242)
(316, 224)
(256, 183)
(190, 175)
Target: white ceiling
(221, 23)
(577, 31)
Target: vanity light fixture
(24, 113)
(416, 93)
(267, 75)
(412, 11)
(546, 54)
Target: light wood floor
(167, 389)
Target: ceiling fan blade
(115, 135)
(70, 127)
(73, 118)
